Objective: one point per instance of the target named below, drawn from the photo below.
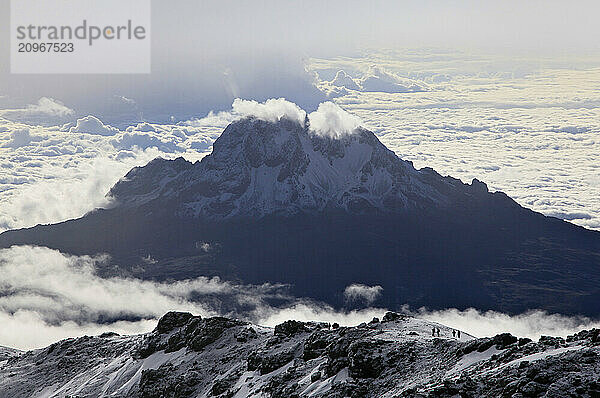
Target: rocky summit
(259, 168)
(397, 356)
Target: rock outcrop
(190, 356)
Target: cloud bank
(46, 111)
(92, 125)
(44, 290)
(528, 127)
(51, 174)
(532, 324)
(46, 295)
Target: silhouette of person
(458, 334)
(433, 332)
(453, 333)
(438, 332)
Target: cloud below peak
(92, 125)
(362, 293)
(46, 295)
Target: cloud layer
(46, 111)
(46, 296)
(528, 127)
(50, 174)
(532, 324)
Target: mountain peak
(260, 167)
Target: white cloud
(46, 295)
(218, 120)
(61, 294)
(271, 110)
(18, 138)
(50, 107)
(136, 140)
(332, 121)
(28, 330)
(378, 79)
(329, 118)
(66, 288)
(307, 312)
(52, 191)
(362, 293)
(532, 324)
(375, 79)
(45, 111)
(92, 125)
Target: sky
(502, 91)
(205, 54)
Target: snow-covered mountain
(320, 204)
(397, 356)
(259, 168)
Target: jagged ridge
(188, 356)
(259, 168)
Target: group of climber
(435, 332)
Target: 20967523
(45, 48)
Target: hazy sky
(204, 54)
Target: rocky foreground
(188, 356)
